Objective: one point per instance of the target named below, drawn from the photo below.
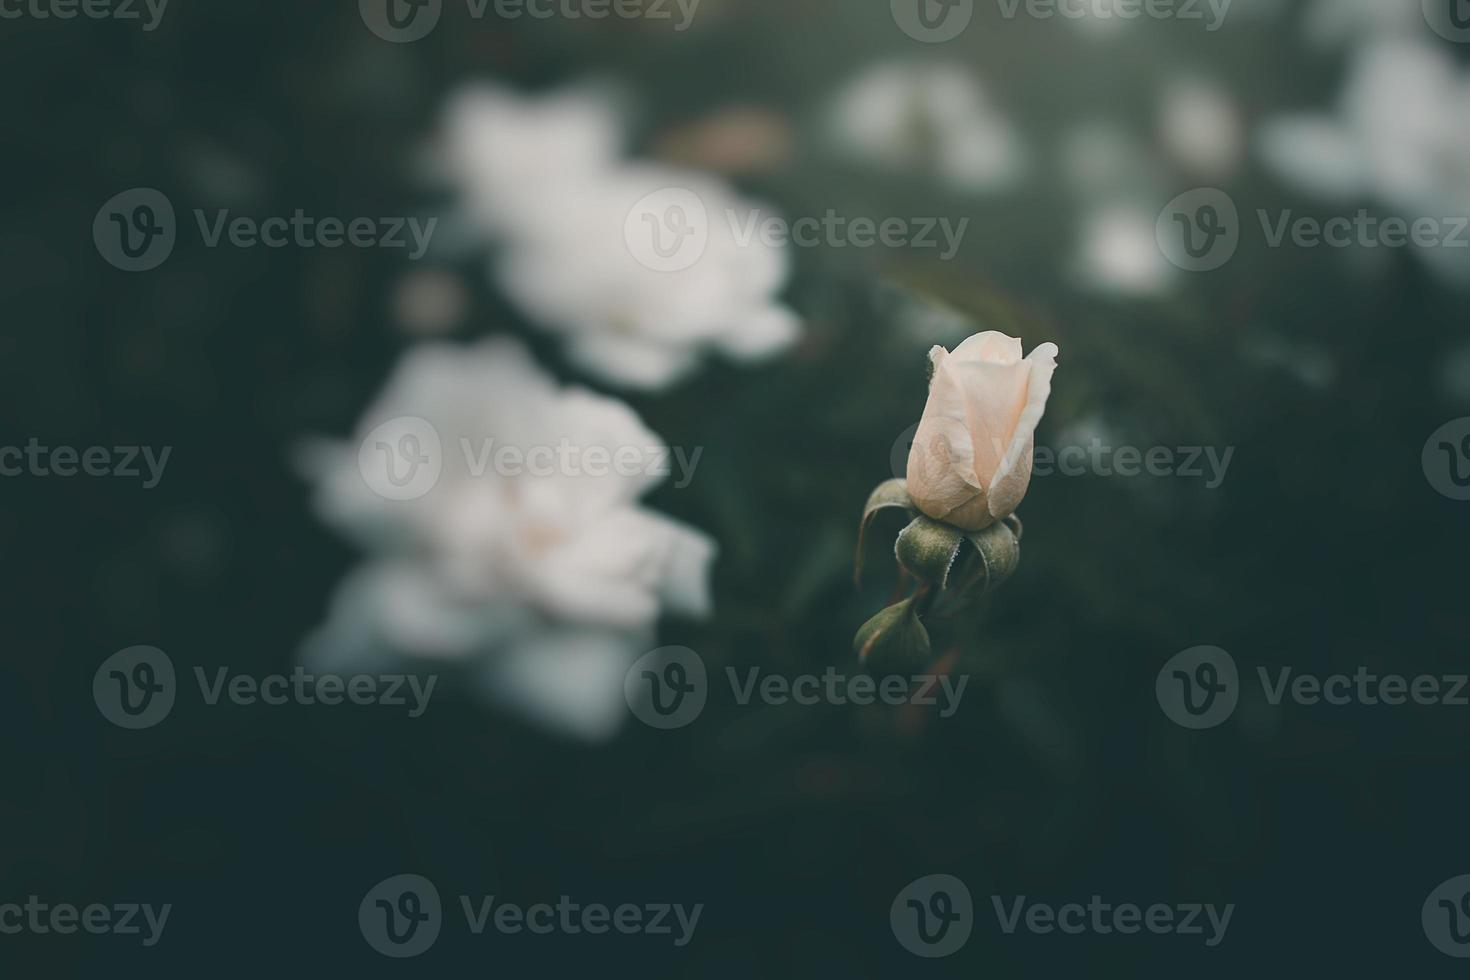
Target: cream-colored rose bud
(970, 463)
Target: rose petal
(995, 396)
(991, 346)
(1014, 475)
(941, 459)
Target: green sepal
(889, 493)
(927, 548)
(894, 641)
(991, 557)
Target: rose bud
(970, 463)
(894, 641)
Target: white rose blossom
(509, 154)
(544, 177)
(640, 326)
(1118, 253)
(545, 582)
(1200, 127)
(970, 462)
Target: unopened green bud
(894, 641)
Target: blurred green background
(1324, 549)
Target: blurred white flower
(510, 154)
(928, 117)
(545, 176)
(546, 581)
(1399, 136)
(1200, 128)
(581, 274)
(1118, 252)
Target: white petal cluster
(1398, 137)
(545, 580)
(546, 177)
